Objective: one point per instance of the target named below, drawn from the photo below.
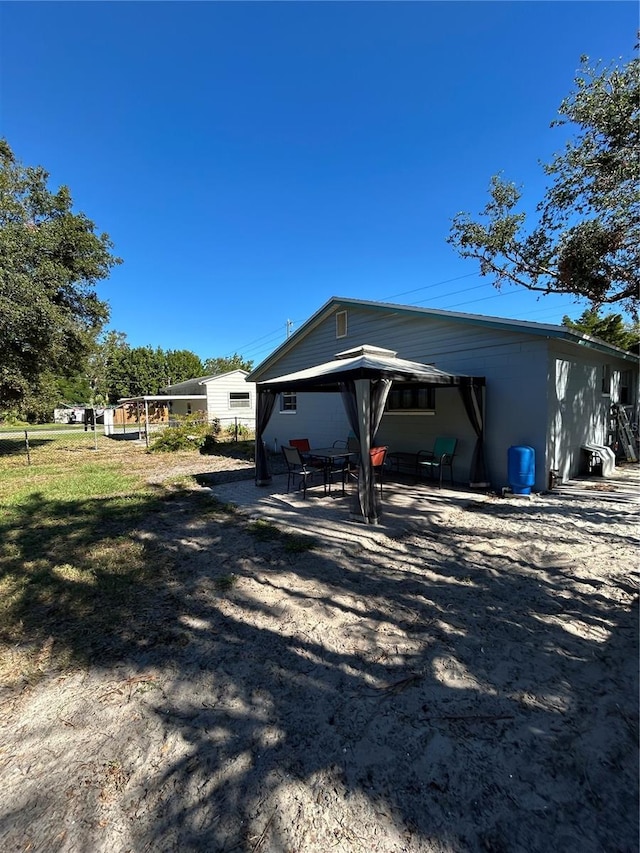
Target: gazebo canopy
(364, 376)
(365, 362)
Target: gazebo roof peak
(367, 349)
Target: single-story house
(225, 396)
(77, 414)
(544, 386)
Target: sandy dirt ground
(465, 680)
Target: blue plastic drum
(521, 469)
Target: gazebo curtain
(472, 399)
(364, 401)
(264, 409)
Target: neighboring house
(225, 396)
(76, 414)
(547, 386)
(69, 414)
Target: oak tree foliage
(585, 237)
(51, 259)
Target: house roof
(365, 362)
(187, 384)
(161, 398)
(337, 303)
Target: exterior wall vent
(341, 324)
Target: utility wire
(276, 335)
(429, 286)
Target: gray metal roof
(201, 380)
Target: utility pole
(289, 325)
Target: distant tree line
(112, 370)
(117, 370)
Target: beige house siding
(220, 405)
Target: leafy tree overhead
(585, 239)
(50, 262)
(182, 364)
(213, 366)
(610, 328)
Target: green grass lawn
(73, 569)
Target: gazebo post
(146, 422)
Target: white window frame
(243, 401)
(293, 409)
(341, 318)
(606, 380)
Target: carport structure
(363, 377)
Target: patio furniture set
(341, 460)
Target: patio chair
(297, 467)
(378, 456)
(436, 460)
(349, 467)
(301, 443)
(345, 465)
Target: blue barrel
(521, 469)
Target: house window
(625, 388)
(411, 398)
(606, 379)
(341, 324)
(239, 400)
(288, 402)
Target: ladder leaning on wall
(625, 432)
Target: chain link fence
(21, 442)
(18, 443)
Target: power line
(275, 336)
(429, 286)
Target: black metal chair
(297, 467)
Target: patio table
(328, 455)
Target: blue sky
(251, 160)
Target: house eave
(161, 398)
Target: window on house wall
(606, 379)
(239, 400)
(341, 324)
(405, 398)
(625, 388)
(288, 402)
